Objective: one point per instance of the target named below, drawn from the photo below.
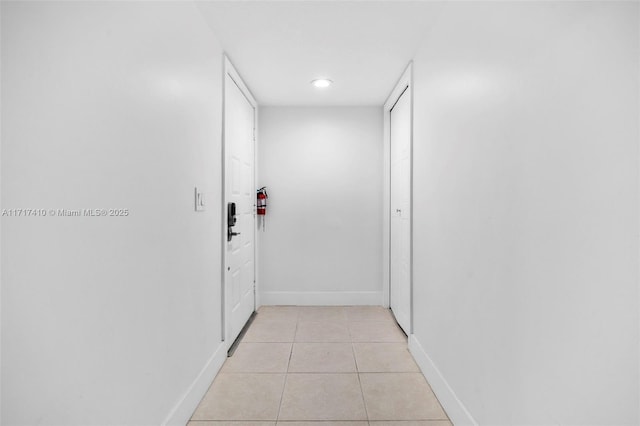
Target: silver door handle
(231, 234)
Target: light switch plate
(199, 200)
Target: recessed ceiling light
(322, 83)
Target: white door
(400, 196)
(239, 145)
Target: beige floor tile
(228, 423)
(263, 331)
(322, 313)
(322, 397)
(376, 331)
(384, 358)
(242, 397)
(278, 313)
(322, 331)
(324, 423)
(368, 313)
(322, 358)
(259, 358)
(400, 396)
(413, 423)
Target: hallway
(306, 364)
(473, 165)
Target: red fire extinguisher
(261, 204)
(262, 201)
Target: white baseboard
(184, 409)
(455, 409)
(321, 298)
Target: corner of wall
(457, 412)
(182, 412)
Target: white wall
(526, 212)
(323, 171)
(109, 320)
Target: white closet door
(400, 238)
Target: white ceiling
(278, 47)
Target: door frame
(405, 82)
(231, 72)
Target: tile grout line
(286, 373)
(364, 402)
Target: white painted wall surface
(109, 320)
(323, 170)
(526, 212)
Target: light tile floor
(342, 366)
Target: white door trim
(231, 72)
(405, 82)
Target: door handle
(231, 220)
(231, 234)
